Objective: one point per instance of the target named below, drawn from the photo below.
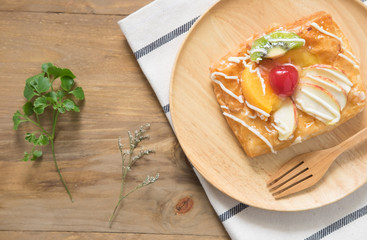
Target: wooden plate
(203, 132)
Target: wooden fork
(307, 169)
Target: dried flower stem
(132, 159)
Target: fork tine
(284, 170)
(294, 172)
(300, 182)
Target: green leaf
(61, 109)
(76, 108)
(28, 108)
(68, 104)
(33, 78)
(40, 104)
(30, 137)
(36, 154)
(51, 97)
(42, 140)
(67, 83)
(17, 120)
(60, 94)
(45, 67)
(28, 91)
(78, 93)
(25, 157)
(59, 72)
(41, 84)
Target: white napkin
(155, 34)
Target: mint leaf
(41, 84)
(60, 94)
(76, 108)
(51, 97)
(33, 78)
(25, 157)
(30, 137)
(59, 72)
(40, 104)
(67, 83)
(42, 140)
(36, 154)
(61, 109)
(78, 93)
(68, 104)
(28, 109)
(17, 120)
(28, 92)
(45, 67)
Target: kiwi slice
(274, 45)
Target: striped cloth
(155, 34)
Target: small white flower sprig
(131, 160)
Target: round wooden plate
(203, 132)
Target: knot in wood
(184, 205)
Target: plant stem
(119, 201)
(58, 170)
(54, 118)
(37, 124)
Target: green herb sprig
(128, 160)
(40, 94)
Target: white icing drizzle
(322, 102)
(268, 130)
(297, 140)
(288, 40)
(336, 74)
(224, 107)
(336, 37)
(320, 80)
(309, 124)
(360, 94)
(225, 76)
(252, 116)
(262, 50)
(238, 59)
(326, 32)
(289, 64)
(349, 60)
(351, 54)
(239, 98)
(257, 109)
(250, 67)
(261, 80)
(253, 130)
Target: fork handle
(351, 142)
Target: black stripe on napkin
(233, 211)
(165, 39)
(339, 224)
(166, 108)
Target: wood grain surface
(197, 116)
(84, 36)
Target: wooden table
(84, 36)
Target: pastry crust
(246, 124)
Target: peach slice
(334, 88)
(285, 119)
(330, 72)
(253, 89)
(317, 102)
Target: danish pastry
(288, 84)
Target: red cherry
(283, 79)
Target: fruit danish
(289, 84)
